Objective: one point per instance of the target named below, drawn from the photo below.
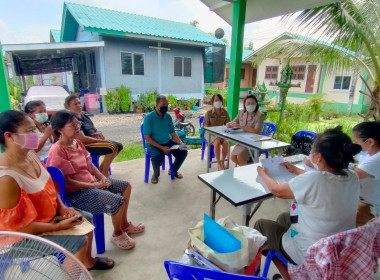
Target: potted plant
(142, 103)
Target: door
(310, 78)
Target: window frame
(297, 72)
(133, 62)
(183, 66)
(343, 76)
(92, 63)
(271, 73)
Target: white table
(239, 186)
(256, 142)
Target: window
(298, 72)
(132, 63)
(242, 74)
(182, 66)
(342, 82)
(271, 72)
(92, 64)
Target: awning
(262, 9)
(45, 58)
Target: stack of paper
(179, 147)
(277, 171)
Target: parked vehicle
(179, 123)
(52, 96)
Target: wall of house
(181, 87)
(85, 36)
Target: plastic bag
(235, 262)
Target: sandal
(178, 175)
(154, 180)
(132, 228)
(123, 241)
(102, 264)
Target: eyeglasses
(74, 124)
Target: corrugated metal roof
(110, 21)
(56, 35)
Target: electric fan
(26, 256)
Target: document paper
(275, 170)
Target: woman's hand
(67, 212)
(307, 162)
(261, 171)
(102, 184)
(290, 167)
(48, 131)
(70, 222)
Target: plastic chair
(95, 161)
(147, 159)
(306, 133)
(98, 219)
(181, 271)
(270, 256)
(269, 129)
(204, 143)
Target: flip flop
(154, 180)
(178, 175)
(102, 264)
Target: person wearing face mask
(217, 116)
(36, 110)
(324, 201)
(29, 201)
(250, 120)
(367, 135)
(159, 133)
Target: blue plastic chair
(181, 271)
(306, 133)
(204, 143)
(270, 256)
(95, 161)
(147, 159)
(98, 219)
(269, 129)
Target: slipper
(178, 175)
(102, 264)
(154, 180)
(123, 241)
(132, 228)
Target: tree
(352, 27)
(194, 23)
(250, 45)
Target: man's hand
(165, 150)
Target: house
(105, 49)
(248, 74)
(313, 78)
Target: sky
(29, 21)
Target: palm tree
(352, 28)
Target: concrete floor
(168, 210)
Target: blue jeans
(157, 157)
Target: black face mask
(163, 109)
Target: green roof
(245, 53)
(120, 23)
(56, 35)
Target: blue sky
(29, 21)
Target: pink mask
(30, 140)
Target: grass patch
(130, 151)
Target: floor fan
(26, 256)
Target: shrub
(125, 98)
(191, 102)
(315, 103)
(142, 101)
(151, 99)
(172, 101)
(113, 101)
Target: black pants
(157, 157)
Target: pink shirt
(73, 162)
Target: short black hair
(216, 95)
(159, 98)
(31, 106)
(336, 148)
(68, 100)
(60, 119)
(9, 122)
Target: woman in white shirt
(367, 135)
(324, 201)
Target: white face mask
(314, 163)
(250, 108)
(218, 104)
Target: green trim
(342, 107)
(5, 101)
(245, 89)
(321, 84)
(238, 21)
(290, 94)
